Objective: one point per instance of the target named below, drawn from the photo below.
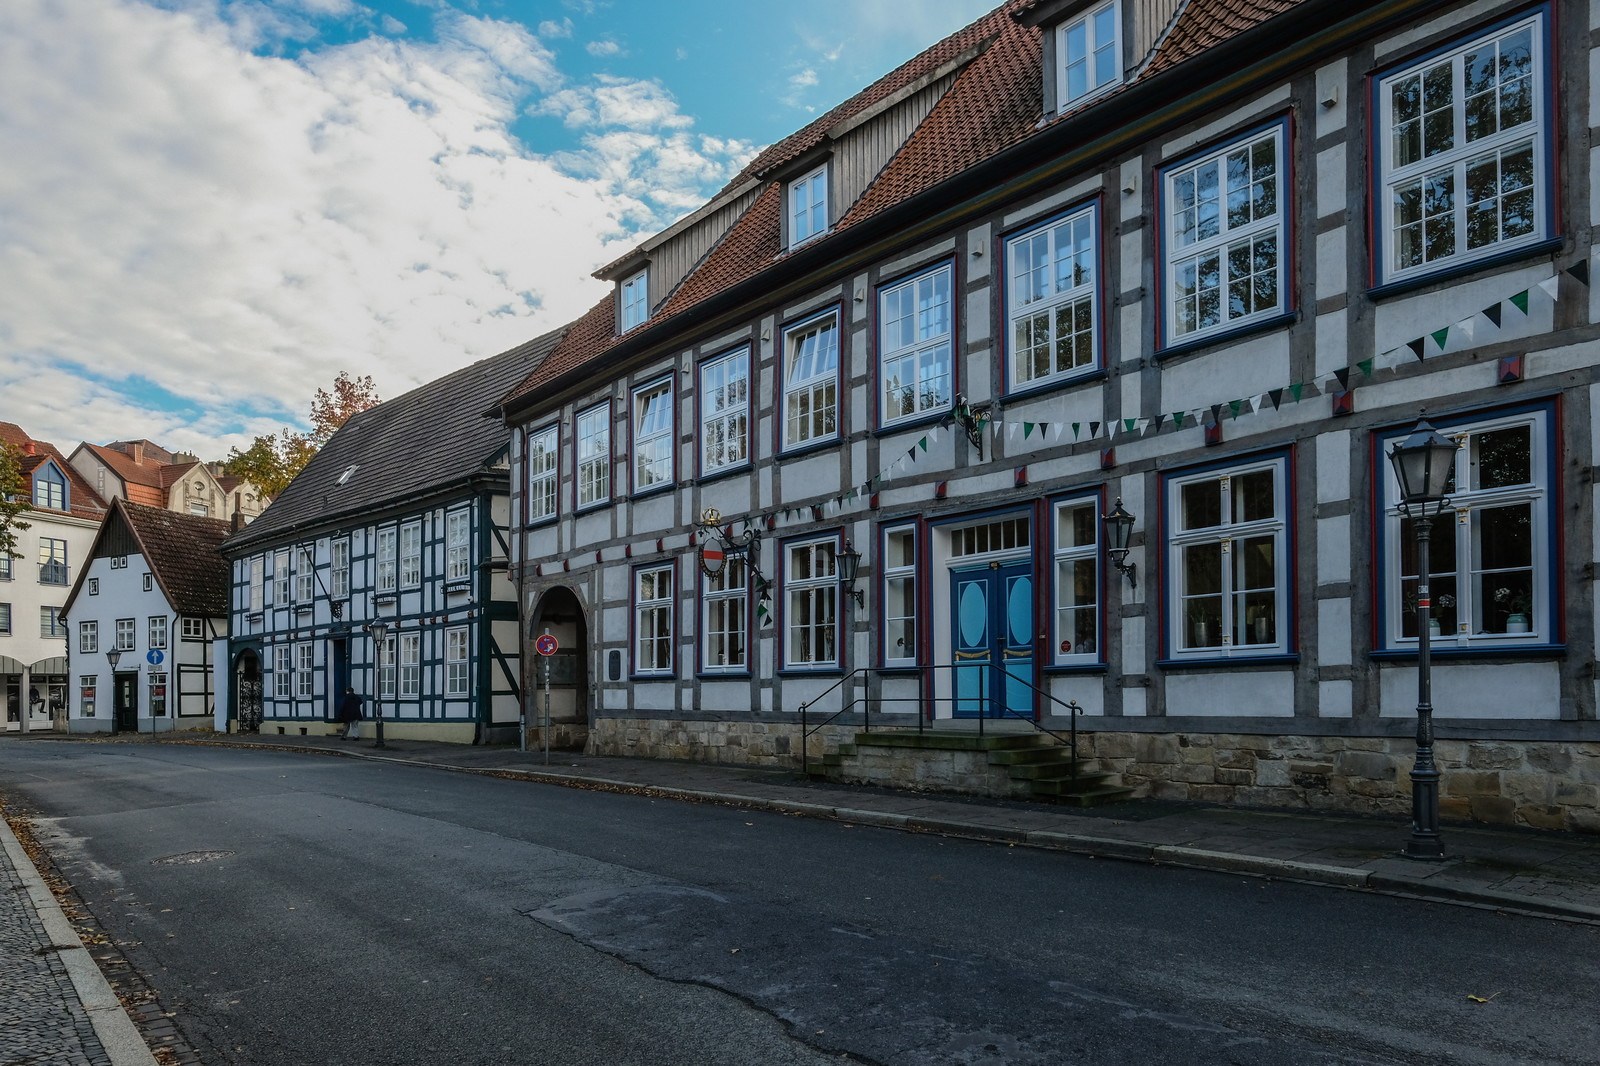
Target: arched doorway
(559, 614)
(247, 687)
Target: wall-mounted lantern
(1119, 530)
(849, 570)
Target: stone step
(1058, 772)
(1048, 753)
(948, 740)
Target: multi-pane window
(5, 620)
(304, 575)
(410, 664)
(149, 582)
(458, 545)
(5, 566)
(811, 618)
(411, 555)
(258, 579)
(52, 561)
(88, 637)
(125, 634)
(49, 488)
(282, 671)
(1463, 152)
(339, 568)
(455, 661)
(1077, 581)
(900, 596)
(725, 411)
(386, 559)
(594, 455)
(1490, 561)
(725, 613)
(385, 652)
(156, 630)
(808, 205)
(86, 687)
(652, 620)
(635, 300)
(1087, 55)
(542, 456)
(652, 436)
(305, 674)
(811, 380)
(1050, 299)
(193, 628)
(280, 579)
(1227, 550)
(158, 694)
(914, 346)
(51, 624)
(1225, 237)
(94, 586)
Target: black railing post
(805, 765)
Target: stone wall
(1542, 784)
(735, 743)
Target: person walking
(350, 713)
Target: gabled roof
(181, 551)
(147, 471)
(84, 501)
(994, 104)
(171, 474)
(432, 437)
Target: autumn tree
(13, 500)
(272, 461)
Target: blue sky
(227, 202)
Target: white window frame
(458, 544)
(411, 554)
(258, 581)
(633, 301)
(339, 568)
(457, 674)
(808, 206)
(811, 604)
(410, 665)
(305, 565)
(88, 638)
(1052, 286)
(654, 610)
(160, 702)
(654, 419)
(156, 630)
(305, 671)
(724, 398)
(87, 683)
(592, 431)
(1070, 575)
(1186, 606)
(388, 568)
(94, 586)
(899, 591)
(809, 346)
(127, 633)
(916, 349)
(543, 463)
(386, 667)
(282, 671)
(280, 578)
(1472, 590)
(725, 618)
(1095, 54)
(1185, 243)
(1395, 178)
(193, 628)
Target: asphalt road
(305, 910)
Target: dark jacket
(350, 708)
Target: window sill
(1229, 335)
(653, 677)
(653, 490)
(1075, 668)
(592, 508)
(831, 670)
(1213, 662)
(540, 523)
(1453, 271)
(1040, 388)
(808, 448)
(458, 585)
(909, 423)
(724, 675)
(900, 669)
(726, 471)
(1479, 651)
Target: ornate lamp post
(849, 568)
(380, 633)
(1119, 530)
(1423, 463)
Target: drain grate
(189, 858)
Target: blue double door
(992, 641)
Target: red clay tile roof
(85, 502)
(1204, 24)
(146, 472)
(169, 475)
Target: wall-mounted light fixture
(849, 570)
(1119, 530)
(113, 657)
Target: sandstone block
(1363, 764)
(1543, 816)
(1226, 776)
(1234, 759)
(1495, 809)
(1550, 758)
(1156, 748)
(1272, 773)
(1469, 784)
(1494, 756)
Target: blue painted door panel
(992, 641)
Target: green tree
(272, 461)
(13, 500)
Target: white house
(150, 599)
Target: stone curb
(1099, 847)
(112, 1025)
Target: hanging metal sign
(712, 558)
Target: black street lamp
(849, 569)
(1119, 530)
(1423, 463)
(380, 632)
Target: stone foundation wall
(931, 770)
(734, 743)
(1542, 784)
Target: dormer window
(634, 300)
(49, 488)
(1088, 54)
(808, 206)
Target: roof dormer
(1089, 47)
(51, 490)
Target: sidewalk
(1529, 871)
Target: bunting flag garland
(1520, 301)
(1492, 313)
(1551, 286)
(1580, 271)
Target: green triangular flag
(1365, 366)
(923, 443)
(1128, 424)
(1440, 337)
(1520, 301)
(1027, 430)
(1177, 419)
(1295, 390)
(1233, 407)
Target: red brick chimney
(136, 451)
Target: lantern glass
(849, 564)
(1119, 529)
(1423, 463)
(380, 630)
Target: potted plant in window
(1199, 626)
(1440, 603)
(1519, 606)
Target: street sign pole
(547, 702)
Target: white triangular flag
(1551, 286)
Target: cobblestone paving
(41, 1018)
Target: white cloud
(552, 28)
(235, 229)
(604, 49)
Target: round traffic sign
(545, 645)
(154, 656)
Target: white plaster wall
(1476, 690)
(1269, 694)
(1241, 369)
(1333, 550)
(1038, 209)
(1333, 632)
(1135, 702)
(1335, 699)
